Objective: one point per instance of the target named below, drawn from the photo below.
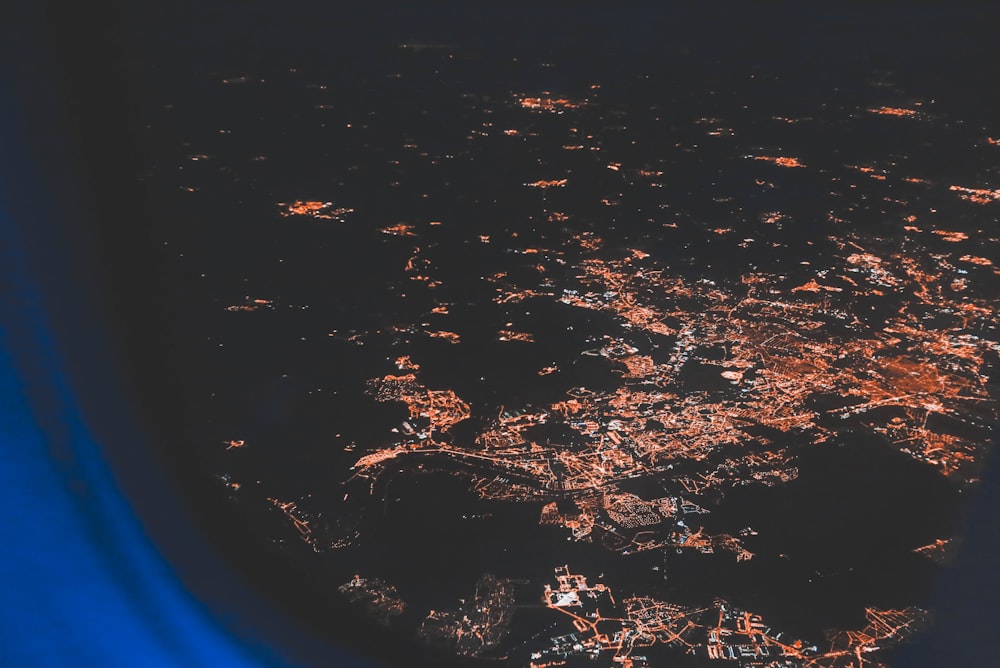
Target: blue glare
(83, 584)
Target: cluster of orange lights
(440, 408)
(250, 305)
(781, 161)
(399, 230)
(892, 111)
(977, 195)
(781, 347)
(313, 209)
(719, 631)
(511, 335)
(555, 183)
(549, 104)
